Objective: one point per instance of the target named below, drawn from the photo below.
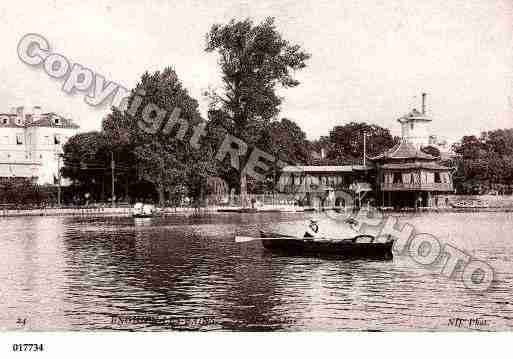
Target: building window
(56, 120)
(57, 139)
(47, 140)
(19, 139)
(5, 120)
(411, 126)
(41, 156)
(437, 177)
(398, 178)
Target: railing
(446, 187)
(249, 199)
(289, 188)
(63, 211)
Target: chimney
(423, 103)
(20, 112)
(36, 113)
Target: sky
(371, 60)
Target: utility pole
(364, 147)
(59, 179)
(364, 166)
(112, 166)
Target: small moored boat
(358, 246)
(143, 210)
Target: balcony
(435, 187)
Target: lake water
(78, 273)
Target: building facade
(403, 176)
(326, 186)
(31, 144)
(406, 177)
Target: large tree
(286, 141)
(142, 145)
(345, 143)
(255, 61)
(163, 157)
(86, 161)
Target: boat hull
(340, 247)
(143, 215)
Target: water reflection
(78, 273)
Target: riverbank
(92, 211)
(126, 211)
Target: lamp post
(112, 166)
(365, 134)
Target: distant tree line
(484, 164)
(21, 192)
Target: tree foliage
(485, 163)
(85, 157)
(286, 141)
(141, 147)
(345, 143)
(254, 61)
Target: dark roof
(414, 115)
(348, 168)
(404, 150)
(414, 165)
(11, 120)
(48, 120)
(45, 120)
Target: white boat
(142, 210)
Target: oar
(242, 239)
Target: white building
(415, 126)
(415, 129)
(30, 144)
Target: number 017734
(27, 347)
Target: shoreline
(126, 211)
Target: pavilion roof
(404, 150)
(414, 165)
(414, 115)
